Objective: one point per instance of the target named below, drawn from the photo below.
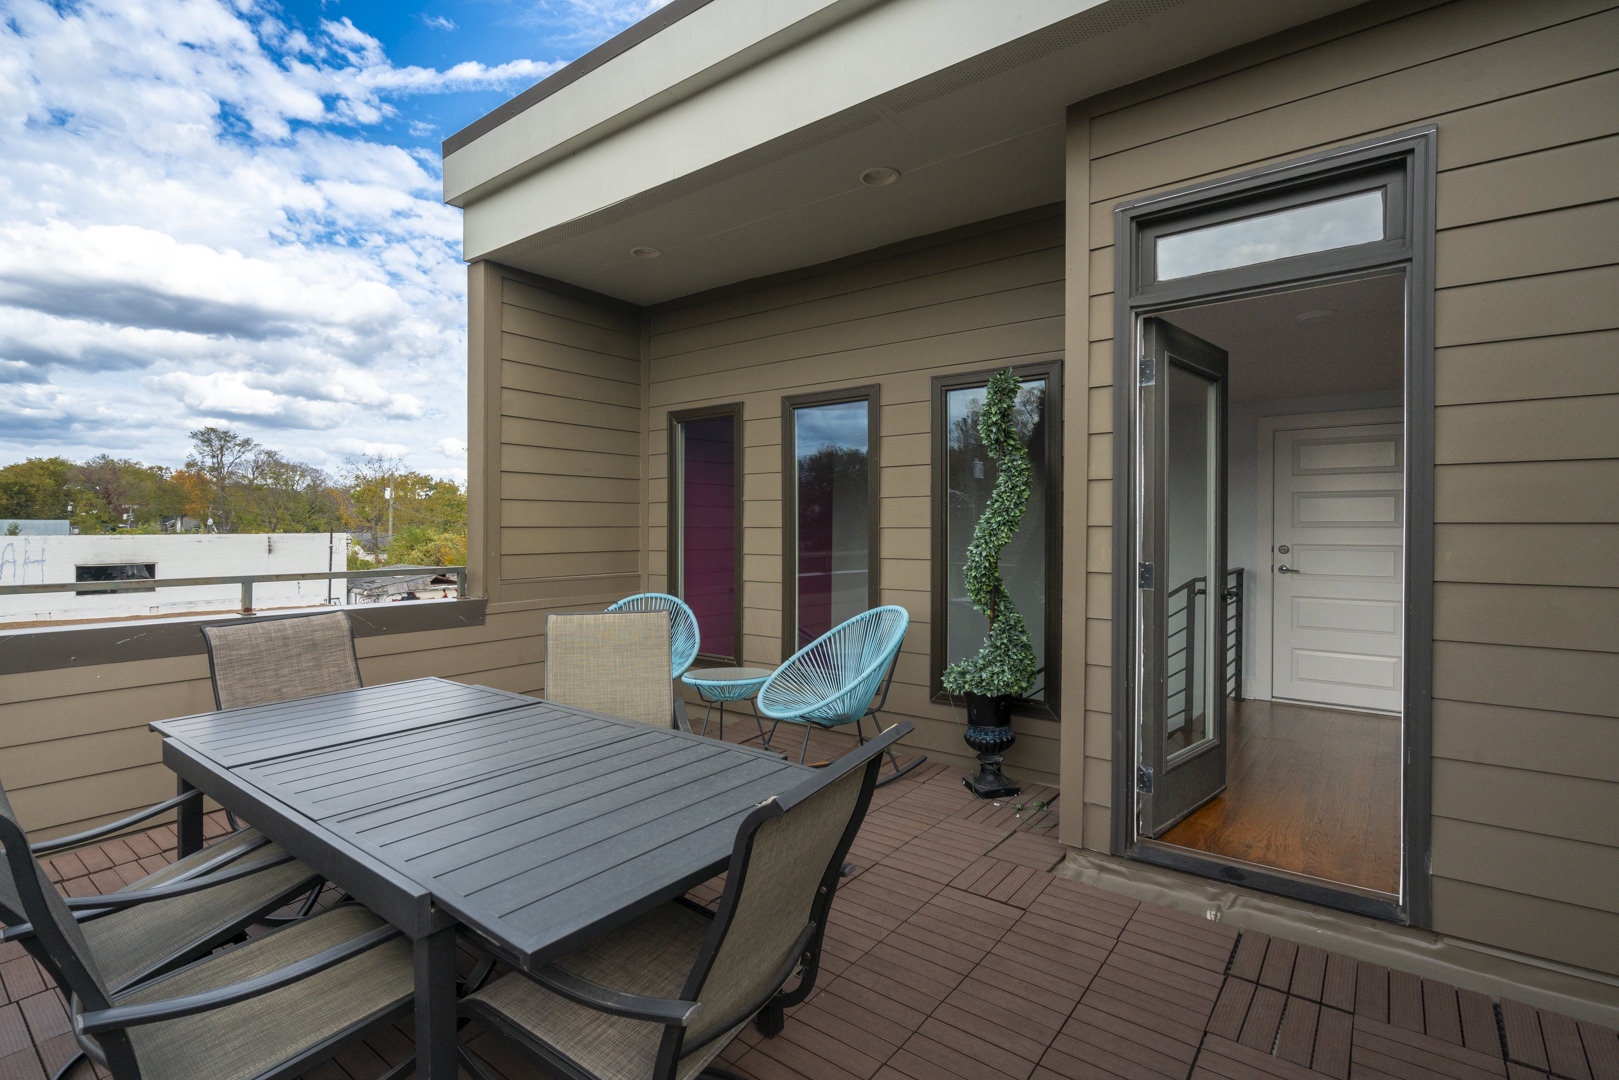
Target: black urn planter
(989, 733)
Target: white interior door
(1337, 566)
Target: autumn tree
(39, 488)
(217, 453)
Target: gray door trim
(1411, 158)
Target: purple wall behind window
(708, 555)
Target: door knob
(1286, 569)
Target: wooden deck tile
(1601, 1050)
(1398, 1051)
(1309, 973)
(1565, 1052)
(982, 1042)
(1334, 1042)
(1372, 991)
(1441, 1010)
(928, 1059)
(1479, 1028)
(1338, 983)
(1295, 1041)
(1135, 1055)
(1277, 970)
(1088, 1016)
(1231, 1010)
(1234, 1061)
(1249, 958)
(1264, 1019)
(1521, 1024)
(1405, 1001)
(1035, 850)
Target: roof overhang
(731, 135)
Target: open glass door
(1180, 596)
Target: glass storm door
(1181, 609)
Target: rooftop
(955, 951)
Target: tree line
(231, 483)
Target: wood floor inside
(1310, 791)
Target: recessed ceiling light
(1317, 315)
(881, 176)
(646, 252)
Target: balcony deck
(954, 953)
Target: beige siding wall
(975, 300)
(1526, 101)
(74, 749)
(554, 420)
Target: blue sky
(229, 212)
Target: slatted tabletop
(237, 737)
(536, 826)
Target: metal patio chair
(684, 637)
(872, 711)
(262, 661)
(661, 996)
(614, 663)
(266, 1009)
(265, 660)
(831, 681)
(174, 914)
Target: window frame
(871, 394)
(676, 525)
(1050, 707)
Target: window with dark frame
(830, 536)
(963, 475)
(705, 524)
(114, 572)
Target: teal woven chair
(831, 681)
(683, 635)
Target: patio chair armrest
(148, 1012)
(81, 906)
(669, 1011)
(50, 847)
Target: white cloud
(438, 22)
(195, 226)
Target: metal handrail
(247, 581)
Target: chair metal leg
(803, 751)
(71, 1064)
(893, 759)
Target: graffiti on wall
(16, 565)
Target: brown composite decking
(954, 953)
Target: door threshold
(1334, 894)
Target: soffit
(757, 171)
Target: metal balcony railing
(247, 581)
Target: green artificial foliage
(1005, 664)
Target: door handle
(1286, 569)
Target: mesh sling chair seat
(614, 663)
(660, 997)
(263, 1010)
(265, 660)
(831, 681)
(181, 911)
(262, 661)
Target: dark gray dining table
(446, 808)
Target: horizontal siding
(977, 300)
(1526, 603)
(563, 445)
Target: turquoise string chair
(683, 634)
(831, 681)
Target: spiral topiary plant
(1005, 665)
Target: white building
(84, 560)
